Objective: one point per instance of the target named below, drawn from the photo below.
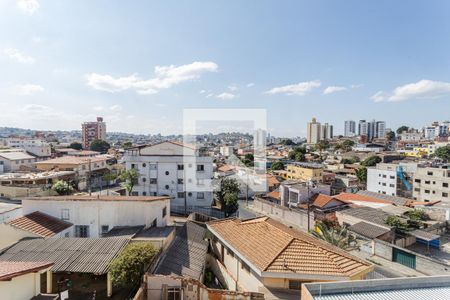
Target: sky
(139, 64)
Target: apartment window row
(180, 167)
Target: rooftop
(35, 176)
(186, 254)
(79, 255)
(11, 269)
(400, 201)
(16, 155)
(368, 230)
(273, 247)
(7, 207)
(99, 198)
(72, 160)
(431, 288)
(40, 224)
(368, 214)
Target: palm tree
(337, 236)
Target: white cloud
(98, 108)
(298, 89)
(233, 88)
(355, 86)
(423, 89)
(334, 89)
(26, 89)
(28, 6)
(165, 77)
(202, 91)
(250, 84)
(226, 96)
(18, 56)
(116, 107)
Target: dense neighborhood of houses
(314, 219)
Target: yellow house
(304, 171)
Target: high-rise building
(362, 127)
(313, 132)
(327, 132)
(350, 128)
(93, 131)
(380, 129)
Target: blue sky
(140, 63)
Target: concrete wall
(289, 216)
(17, 191)
(10, 235)
(21, 287)
(11, 214)
(96, 214)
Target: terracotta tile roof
(273, 247)
(72, 160)
(274, 194)
(11, 269)
(40, 224)
(357, 197)
(99, 198)
(322, 200)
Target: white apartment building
(36, 147)
(384, 178)
(174, 170)
(362, 127)
(95, 215)
(432, 184)
(410, 136)
(14, 160)
(349, 128)
(226, 151)
(327, 132)
(429, 133)
(314, 132)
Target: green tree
(371, 161)
(227, 195)
(417, 214)
(402, 128)
(397, 224)
(100, 146)
(347, 161)
(278, 165)
(287, 142)
(76, 146)
(127, 145)
(128, 268)
(347, 145)
(361, 174)
(443, 153)
(390, 136)
(297, 154)
(249, 160)
(130, 179)
(62, 187)
(337, 236)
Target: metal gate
(404, 258)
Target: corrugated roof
(368, 214)
(435, 293)
(16, 155)
(11, 269)
(72, 160)
(368, 230)
(187, 253)
(40, 224)
(273, 247)
(123, 231)
(400, 201)
(81, 255)
(99, 198)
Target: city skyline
(128, 66)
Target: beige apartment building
(432, 184)
(304, 171)
(314, 131)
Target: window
(167, 173)
(430, 173)
(200, 195)
(134, 193)
(152, 166)
(173, 294)
(445, 184)
(445, 195)
(144, 193)
(180, 195)
(153, 181)
(65, 214)
(294, 285)
(167, 186)
(417, 180)
(153, 223)
(144, 179)
(200, 168)
(164, 212)
(105, 229)
(384, 184)
(144, 165)
(392, 177)
(417, 189)
(427, 191)
(384, 176)
(133, 166)
(190, 194)
(82, 231)
(180, 180)
(427, 182)
(230, 253)
(180, 167)
(391, 185)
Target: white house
(171, 169)
(93, 216)
(21, 280)
(36, 147)
(15, 159)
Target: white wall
(382, 181)
(98, 213)
(21, 288)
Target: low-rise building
(262, 255)
(304, 171)
(432, 184)
(15, 160)
(297, 192)
(93, 216)
(391, 179)
(36, 147)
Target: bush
(62, 187)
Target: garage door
(404, 258)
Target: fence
(180, 210)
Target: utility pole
(89, 177)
